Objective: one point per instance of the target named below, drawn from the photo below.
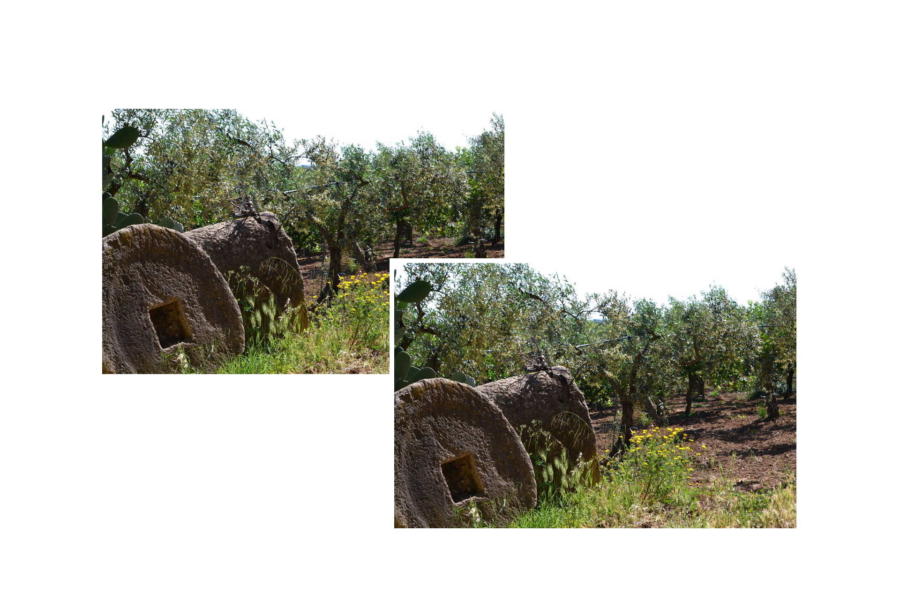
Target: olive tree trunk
(772, 412)
(789, 388)
(498, 225)
(335, 256)
(623, 440)
(695, 391)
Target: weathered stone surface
(452, 448)
(551, 398)
(162, 292)
(248, 242)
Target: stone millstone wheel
(249, 242)
(162, 292)
(453, 448)
(553, 399)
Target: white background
(645, 139)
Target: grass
(617, 504)
(348, 336)
(650, 486)
(319, 349)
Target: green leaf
(110, 210)
(124, 220)
(170, 224)
(402, 363)
(462, 378)
(423, 373)
(123, 138)
(415, 292)
(107, 170)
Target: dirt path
(314, 276)
(739, 445)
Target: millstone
(454, 451)
(253, 242)
(162, 293)
(552, 398)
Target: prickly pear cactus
(113, 218)
(405, 372)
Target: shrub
(361, 307)
(349, 335)
(264, 323)
(660, 460)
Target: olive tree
(490, 320)
(776, 319)
(484, 162)
(329, 193)
(190, 164)
(415, 185)
(628, 335)
(708, 339)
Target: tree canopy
(193, 165)
(485, 320)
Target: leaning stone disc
(161, 292)
(455, 452)
(551, 398)
(261, 245)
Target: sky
(743, 284)
(380, 122)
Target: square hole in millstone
(462, 477)
(169, 323)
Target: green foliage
(775, 317)
(650, 486)
(361, 308)
(113, 218)
(556, 473)
(181, 169)
(417, 186)
(402, 363)
(120, 219)
(462, 378)
(484, 162)
(110, 210)
(123, 138)
(404, 372)
(259, 311)
(171, 224)
(417, 291)
(188, 164)
(347, 336)
(661, 460)
(484, 319)
(416, 374)
(615, 503)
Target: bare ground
(755, 453)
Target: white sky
(743, 285)
(385, 123)
(380, 122)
